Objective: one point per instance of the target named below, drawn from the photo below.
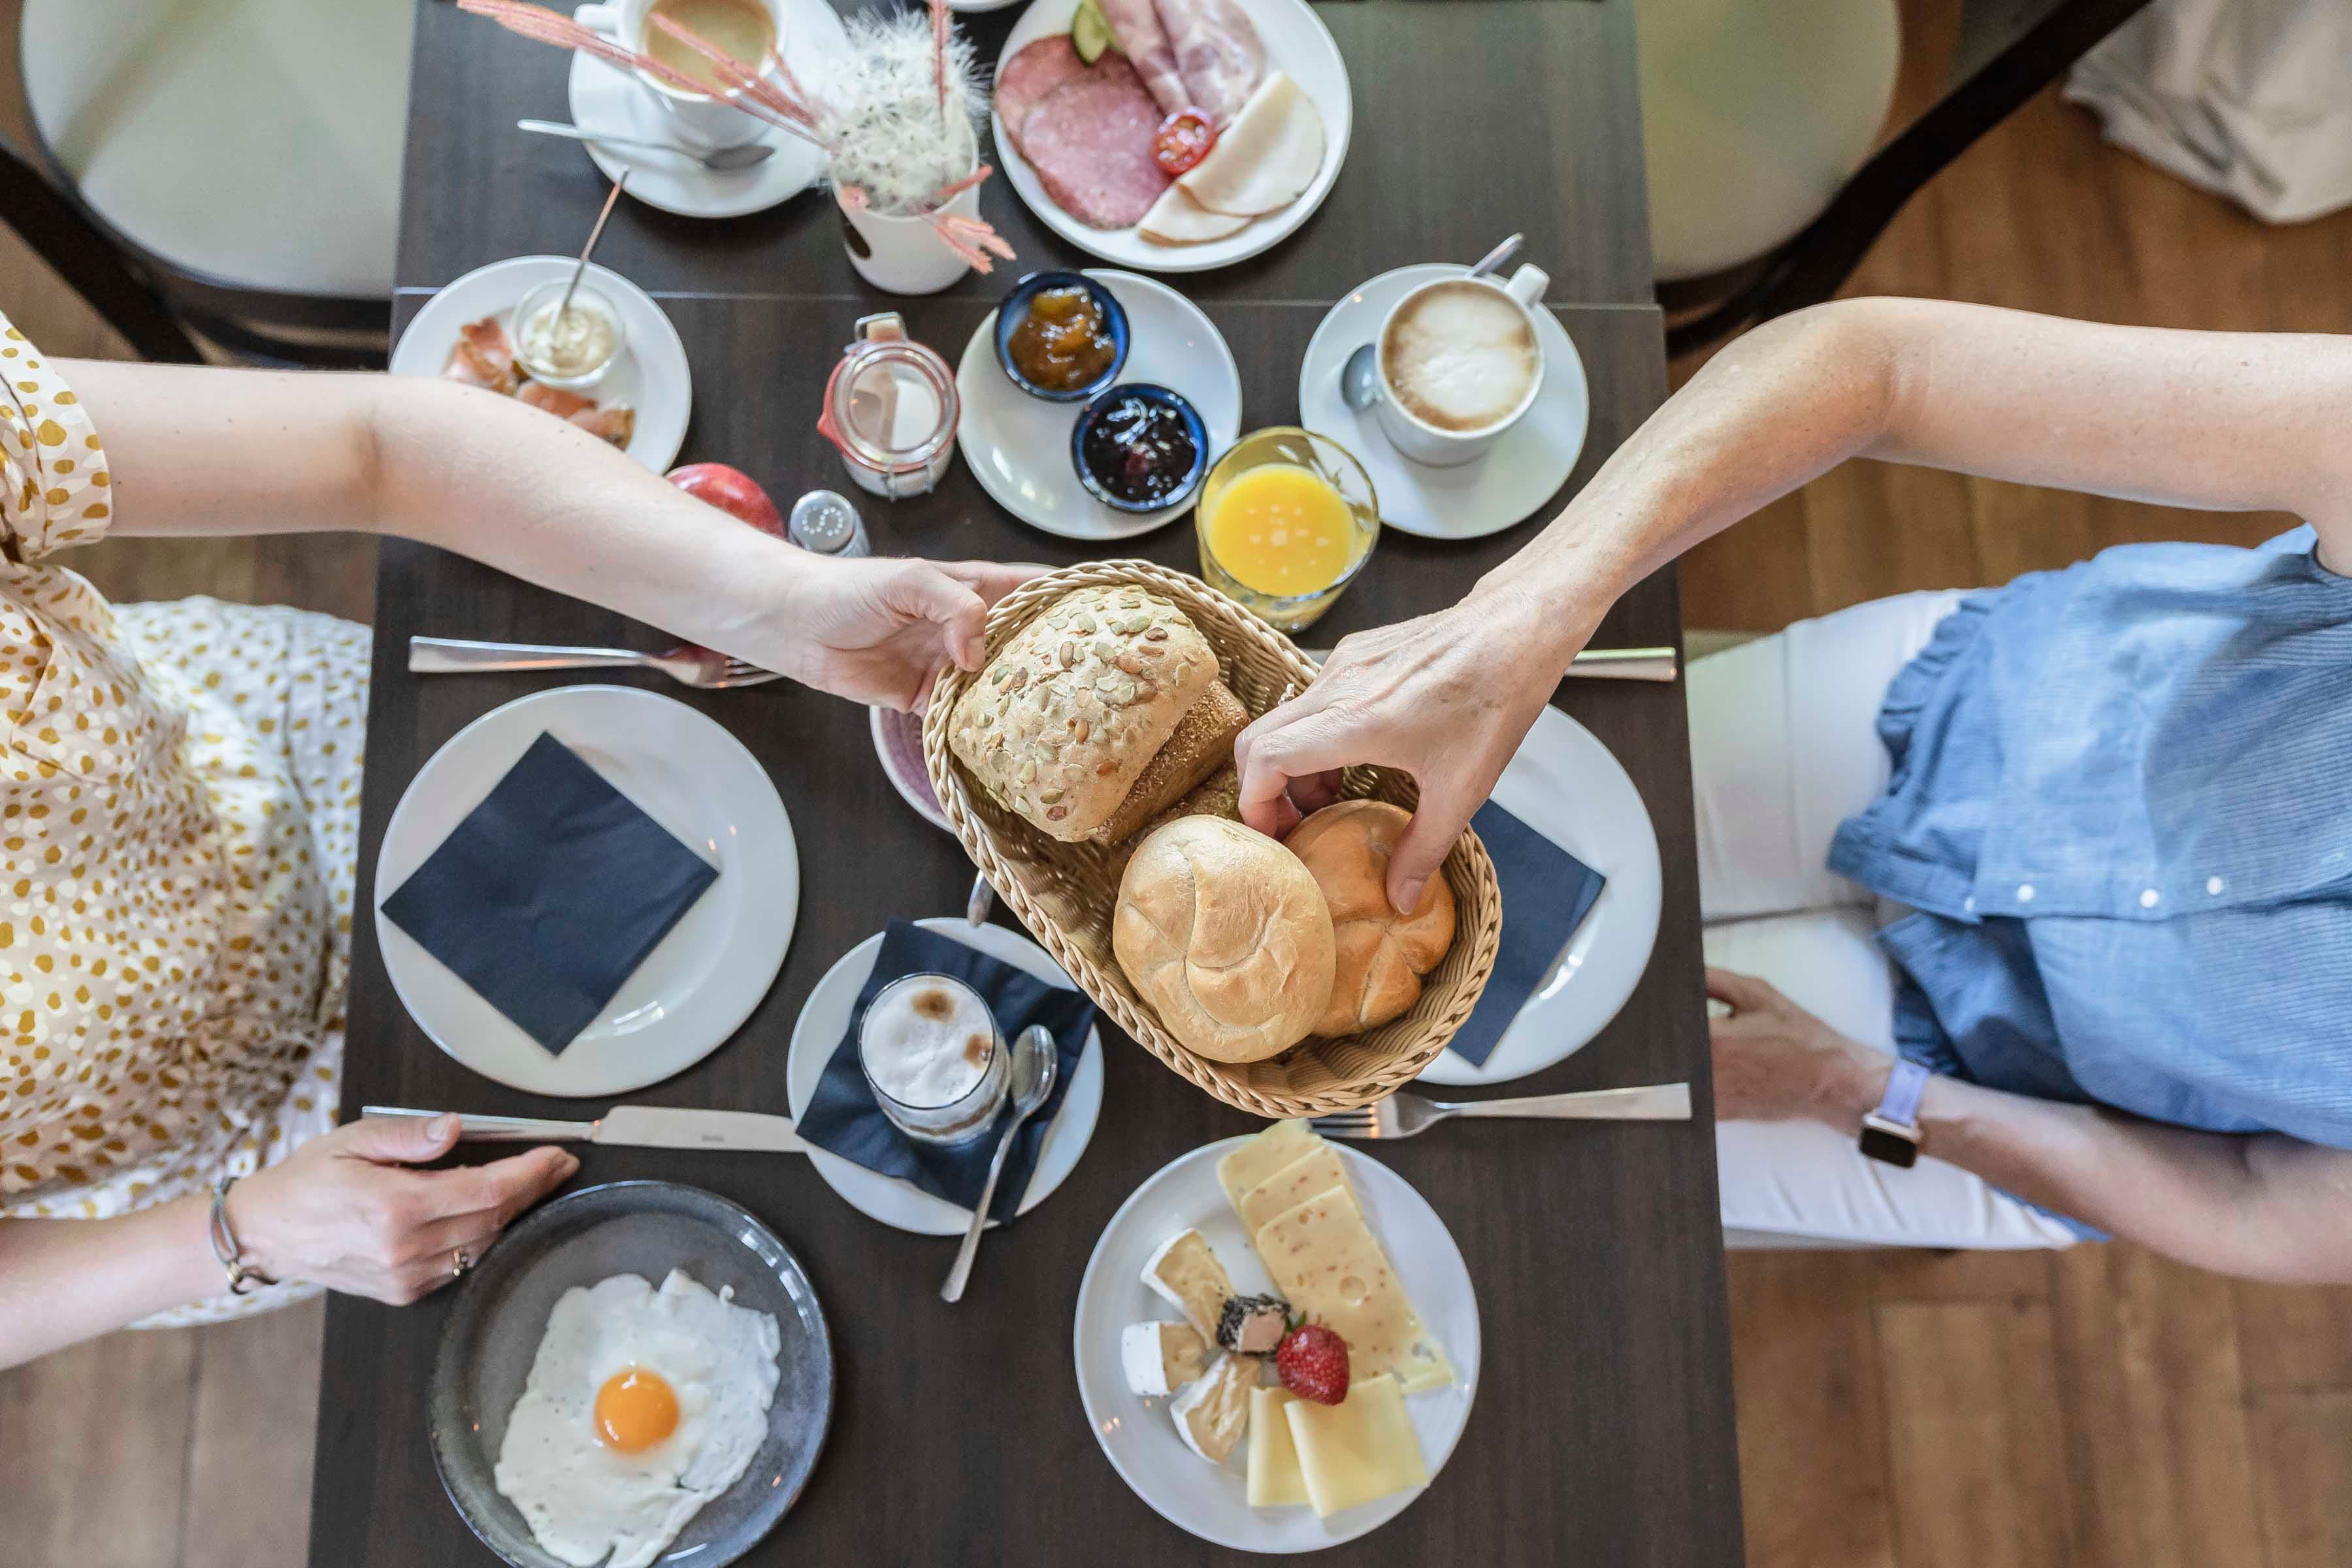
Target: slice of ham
(1032, 74)
(1177, 219)
(1090, 143)
(1134, 24)
(1218, 52)
(616, 424)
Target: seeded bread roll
(1381, 955)
(1203, 744)
(1224, 933)
(1069, 714)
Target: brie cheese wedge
(1160, 1358)
(1213, 1411)
(1185, 1274)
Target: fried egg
(642, 1405)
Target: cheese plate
(1229, 1431)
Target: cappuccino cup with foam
(1460, 362)
(934, 1057)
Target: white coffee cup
(695, 119)
(1448, 445)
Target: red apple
(733, 492)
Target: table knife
(643, 1126)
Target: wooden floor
(2098, 1410)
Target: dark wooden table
(1603, 1430)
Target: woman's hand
(344, 1211)
(877, 631)
(1446, 698)
(1776, 1062)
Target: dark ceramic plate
(625, 1227)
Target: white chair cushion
(257, 141)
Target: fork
(687, 664)
(1405, 1115)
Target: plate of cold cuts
(1203, 132)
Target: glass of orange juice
(1286, 519)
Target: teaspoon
(720, 159)
(1034, 1063)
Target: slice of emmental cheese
(1358, 1451)
(1262, 1156)
(1213, 1411)
(1328, 1265)
(1274, 1477)
(1186, 1274)
(1311, 1174)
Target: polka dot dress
(179, 823)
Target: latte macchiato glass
(934, 1057)
(1460, 362)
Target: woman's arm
(2266, 1207)
(2200, 419)
(214, 452)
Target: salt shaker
(825, 523)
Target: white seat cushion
(256, 141)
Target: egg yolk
(634, 1410)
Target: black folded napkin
(842, 1118)
(1546, 893)
(549, 893)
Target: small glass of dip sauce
(1139, 448)
(570, 350)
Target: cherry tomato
(1184, 140)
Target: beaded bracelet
(241, 1279)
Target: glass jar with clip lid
(890, 409)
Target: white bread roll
(1381, 954)
(1224, 933)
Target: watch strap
(1900, 1104)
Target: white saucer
(884, 721)
(1525, 469)
(1138, 1435)
(1565, 784)
(651, 374)
(696, 988)
(817, 1034)
(606, 98)
(1018, 446)
(1296, 44)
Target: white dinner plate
(1297, 44)
(606, 98)
(1568, 786)
(1523, 470)
(1018, 445)
(651, 376)
(817, 1034)
(696, 988)
(1138, 1436)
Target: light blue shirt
(2121, 803)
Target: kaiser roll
(1224, 933)
(1380, 956)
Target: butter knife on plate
(643, 1126)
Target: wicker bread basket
(1065, 893)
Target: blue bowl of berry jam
(1140, 448)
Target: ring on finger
(459, 1261)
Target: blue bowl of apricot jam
(1139, 448)
(1061, 336)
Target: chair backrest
(83, 254)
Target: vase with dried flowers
(899, 117)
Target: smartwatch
(1891, 1132)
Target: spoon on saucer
(1359, 378)
(718, 158)
(1034, 1063)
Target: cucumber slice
(1090, 32)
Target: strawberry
(1312, 1361)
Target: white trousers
(1784, 746)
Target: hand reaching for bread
(875, 631)
(1446, 698)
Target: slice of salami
(1090, 143)
(1031, 74)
